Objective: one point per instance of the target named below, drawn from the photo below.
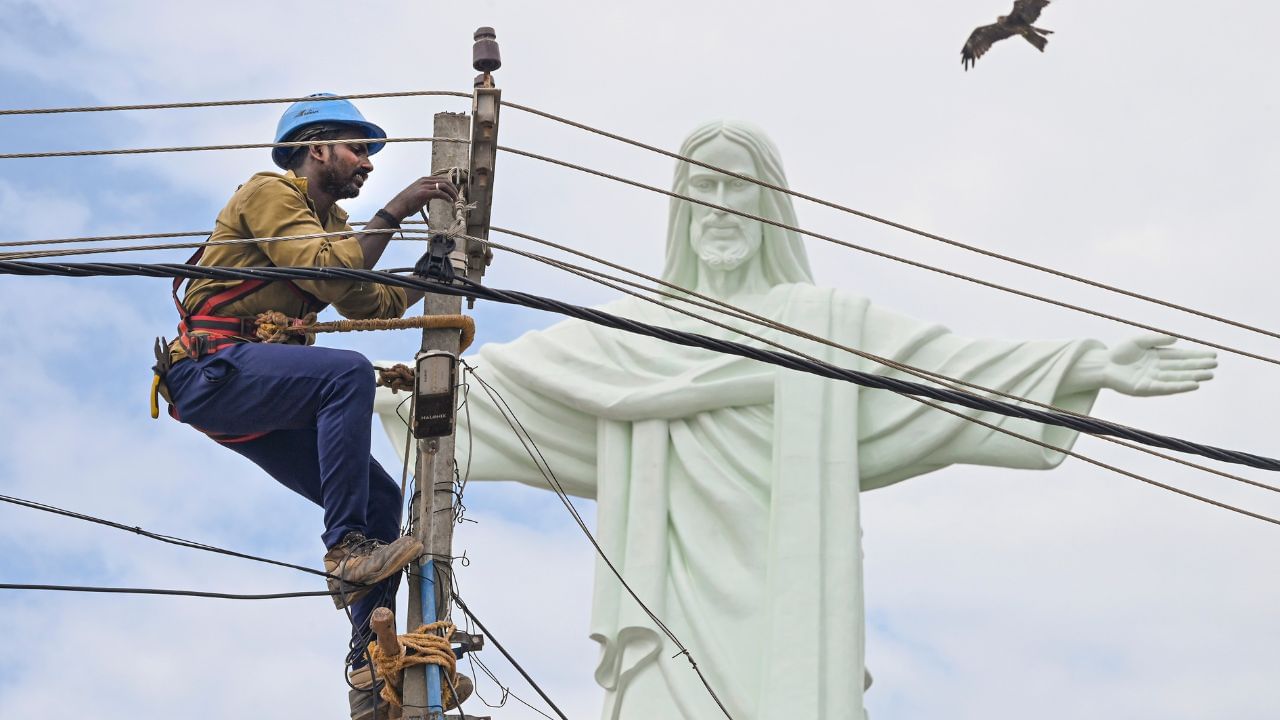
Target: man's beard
(339, 186)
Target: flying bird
(1017, 22)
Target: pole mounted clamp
(466, 643)
(435, 264)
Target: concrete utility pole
(432, 508)
(434, 470)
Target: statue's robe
(728, 489)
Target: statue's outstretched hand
(1146, 366)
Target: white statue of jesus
(728, 489)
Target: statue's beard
(724, 258)
(724, 253)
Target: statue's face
(721, 240)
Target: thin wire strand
(540, 461)
(682, 158)
(887, 256)
(897, 225)
(36, 254)
(504, 689)
(33, 254)
(104, 238)
(229, 103)
(201, 148)
(157, 236)
(704, 301)
(936, 406)
(520, 669)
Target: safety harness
(203, 332)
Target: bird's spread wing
(981, 40)
(1027, 11)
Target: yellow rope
(429, 648)
(275, 326)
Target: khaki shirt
(274, 205)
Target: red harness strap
(204, 332)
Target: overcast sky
(1140, 150)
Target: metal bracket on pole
(466, 642)
(486, 102)
(437, 263)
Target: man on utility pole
(302, 413)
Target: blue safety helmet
(313, 112)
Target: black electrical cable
(706, 302)
(180, 542)
(1089, 425)
(489, 636)
(158, 591)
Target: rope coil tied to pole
(428, 645)
(276, 327)
(397, 377)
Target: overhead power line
(682, 296)
(201, 148)
(180, 542)
(894, 224)
(1079, 423)
(65, 252)
(885, 255)
(229, 103)
(103, 238)
(170, 246)
(685, 295)
(667, 153)
(159, 591)
(187, 233)
(211, 548)
(593, 276)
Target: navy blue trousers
(316, 406)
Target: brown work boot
(357, 563)
(368, 704)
